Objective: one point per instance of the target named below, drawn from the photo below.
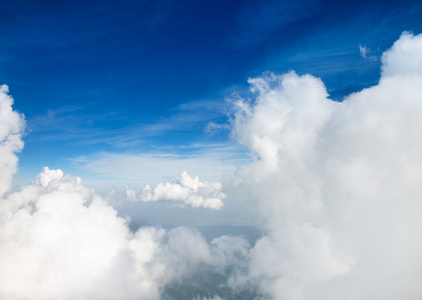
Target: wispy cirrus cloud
(367, 53)
(115, 130)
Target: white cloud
(363, 51)
(59, 240)
(337, 184)
(367, 53)
(12, 125)
(189, 190)
(403, 58)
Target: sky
(210, 150)
(103, 81)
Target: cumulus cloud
(403, 58)
(337, 184)
(185, 189)
(12, 125)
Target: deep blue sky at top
(143, 76)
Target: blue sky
(104, 82)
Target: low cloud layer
(188, 190)
(59, 240)
(336, 186)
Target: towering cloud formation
(338, 185)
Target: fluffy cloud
(59, 240)
(189, 190)
(337, 184)
(403, 58)
(12, 125)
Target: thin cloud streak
(72, 124)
